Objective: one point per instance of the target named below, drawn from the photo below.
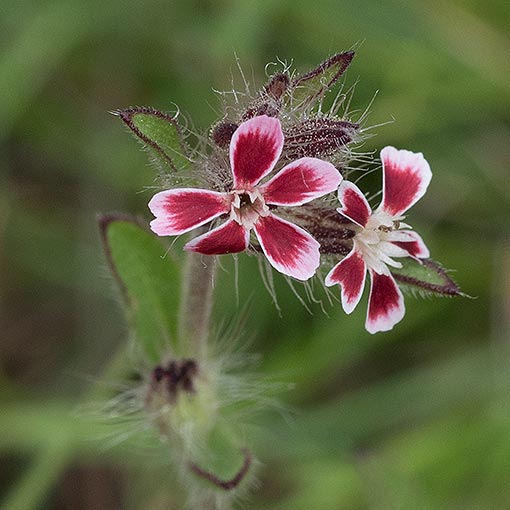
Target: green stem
(35, 483)
(196, 302)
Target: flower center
(247, 207)
(375, 241)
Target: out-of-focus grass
(416, 418)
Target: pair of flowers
(380, 235)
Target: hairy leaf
(149, 281)
(427, 275)
(313, 85)
(224, 464)
(161, 135)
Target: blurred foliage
(150, 282)
(416, 418)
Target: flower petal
(350, 273)
(406, 176)
(354, 204)
(255, 148)
(300, 182)
(385, 304)
(290, 249)
(181, 210)
(415, 247)
(385, 248)
(230, 237)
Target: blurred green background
(418, 418)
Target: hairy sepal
(160, 134)
(312, 86)
(426, 275)
(150, 283)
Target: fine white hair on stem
(292, 287)
(243, 77)
(266, 272)
(366, 112)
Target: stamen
(247, 207)
(244, 200)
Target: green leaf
(160, 134)
(150, 283)
(224, 464)
(426, 275)
(313, 85)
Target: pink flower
(254, 150)
(380, 239)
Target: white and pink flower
(254, 151)
(382, 236)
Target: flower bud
(318, 137)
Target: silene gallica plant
(278, 178)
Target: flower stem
(196, 303)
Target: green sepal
(426, 275)
(313, 85)
(149, 281)
(160, 134)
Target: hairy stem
(196, 302)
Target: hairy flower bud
(277, 85)
(333, 232)
(317, 137)
(270, 101)
(221, 133)
(262, 106)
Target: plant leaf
(224, 464)
(426, 275)
(160, 134)
(149, 281)
(313, 85)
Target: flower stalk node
(177, 376)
